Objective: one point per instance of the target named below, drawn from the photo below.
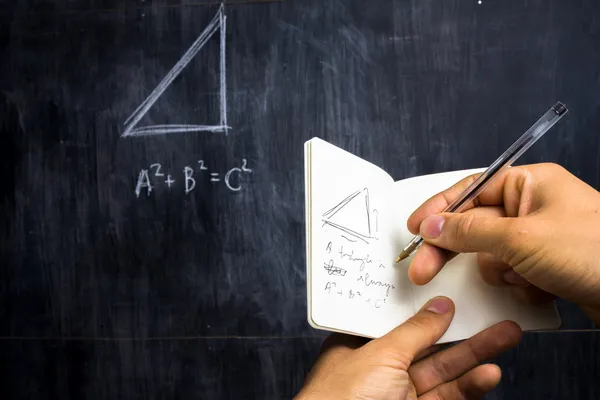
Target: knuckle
(555, 167)
(399, 359)
(441, 367)
(551, 170)
(420, 323)
(425, 325)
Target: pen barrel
(532, 135)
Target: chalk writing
(169, 181)
(202, 167)
(237, 171)
(190, 178)
(190, 182)
(218, 23)
(143, 182)
(157, 166)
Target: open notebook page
(353, 285)
(478, 305)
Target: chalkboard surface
(152, 206)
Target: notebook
(355, 228)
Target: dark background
(202, 295)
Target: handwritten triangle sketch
(354, 218)
(218, 23)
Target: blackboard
(112, 289)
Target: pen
(532, 135)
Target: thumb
(419, 332)
(468, 233)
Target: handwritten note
(354, 285)
(353, 263)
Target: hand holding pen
(532, 135)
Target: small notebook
(356, 227)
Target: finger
(418, 333)
(427, 263)
(429, 260)
(512, 189)
(470, 233)
(428, 351)
(493, 195)
(497, 273)
(474, 385)
(492, 269)
(453, 362)
(411, 392)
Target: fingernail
(513, 278)
(431, 227)
(439, 305)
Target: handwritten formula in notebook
(356, 227)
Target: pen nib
(402, 256)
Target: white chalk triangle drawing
(218, 23)
(352, 216)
